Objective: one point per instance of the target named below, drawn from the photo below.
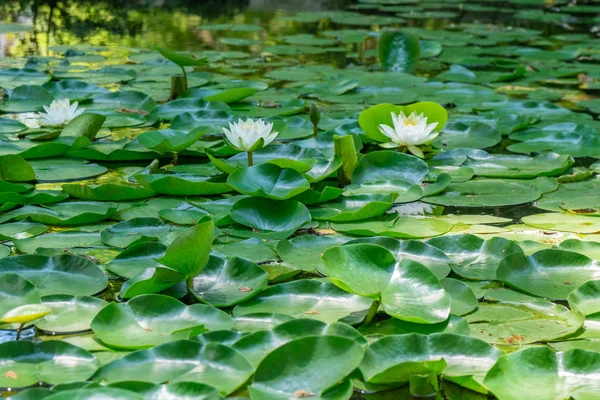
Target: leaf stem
(250, 161)
(185, 78)
(189, 283)
(19, 331)
(175, 158)
(372, 312)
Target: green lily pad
(352, 208)
(129, 101)
(180, 59)
(11, 78)
(223, 283)
(564, 222)
(136, 259)
(540, 372)
(547, 273)
(151, 280)
(170, 110)
(107, 192)
(149, 320)
(393, 326)
(460, 135)
(393, 359)
(523, 323)
(257, 345)
(562, 138)
(69, 313)
(66, 172)
(585, 298)
(8, 125)
(73, 90)
(280, 217)
(423, 253)
(485, 193)
(16, 291)
(259, 321)
(26, 98)
(572, 196)
(66, 213)
(254, 249)
(124, 233)
(304, 366)
(88, 393)
(389, 166)
(268, 180)
(475, 258)
(62, 274)
(182, 361)
(189, 251)
(183, 390)
(184, 184)
(514, 166)
(398, 51)
(170, 140)
(103, 76)
(14, 168)
(405, 227)
(307, 298)
(370, 270)
(52, 362)
(463, 298)
(304, 252)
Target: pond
(366, 199)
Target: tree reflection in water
(140, 23)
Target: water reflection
(7, 335)
(141, 23)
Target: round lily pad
(282, 217)
(181, 361)
(155, 319)
(62, 274)
(53, 362)
(223, 283)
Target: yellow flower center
(409, 123)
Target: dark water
(177, 23)
(141, 23)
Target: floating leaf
(268, 180)
(407, 290)
(393, 359)
(182, 361)
(223, 283)
(150, 320)
(542, 373)
(307, 298)
(305, 368)
(52, 362)
(62, 274)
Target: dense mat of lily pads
(252, 222)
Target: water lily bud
(314, 114)
(25, 313)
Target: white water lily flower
(249, 135)
(409, 131)
(60, 112)
(414, 208)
